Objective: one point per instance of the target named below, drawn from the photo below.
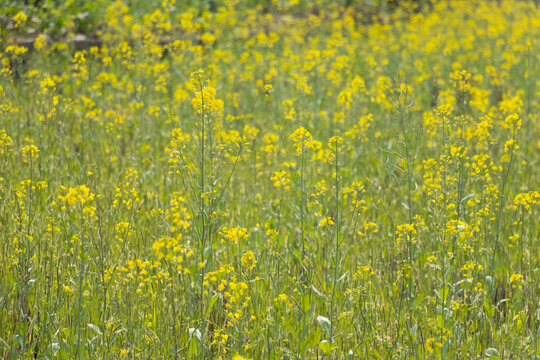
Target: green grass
(268, 182)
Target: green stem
(336, 254)
(201, 208)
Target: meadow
(281, 179)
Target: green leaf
(305, 302)
(444, 294)
(325, 323)
(325, 346)
(192, 349)
(376, 354)
(319, 293)
(344, 315)
(492, 352)
(440, 320)
(95, 328)
(116, 333)
(343, 276)
(211, 305)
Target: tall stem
(501, 205)
(302, 200)
(202, 213)
(336, 254)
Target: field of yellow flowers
(270, 180)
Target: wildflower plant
(354, 179)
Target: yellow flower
(40, 42)
(15, 50)
(405, 232)
(5, 142)
(281, 298)
(302, 140)
(281, 179)
(268, 89)
(19, 18)
(30, 152)
(234, 234)
(248, 260)
(326, 221)
(517, 280)
(238, 357)
(335, 143)
(460, 79)
(512, 121)
(204, 99)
